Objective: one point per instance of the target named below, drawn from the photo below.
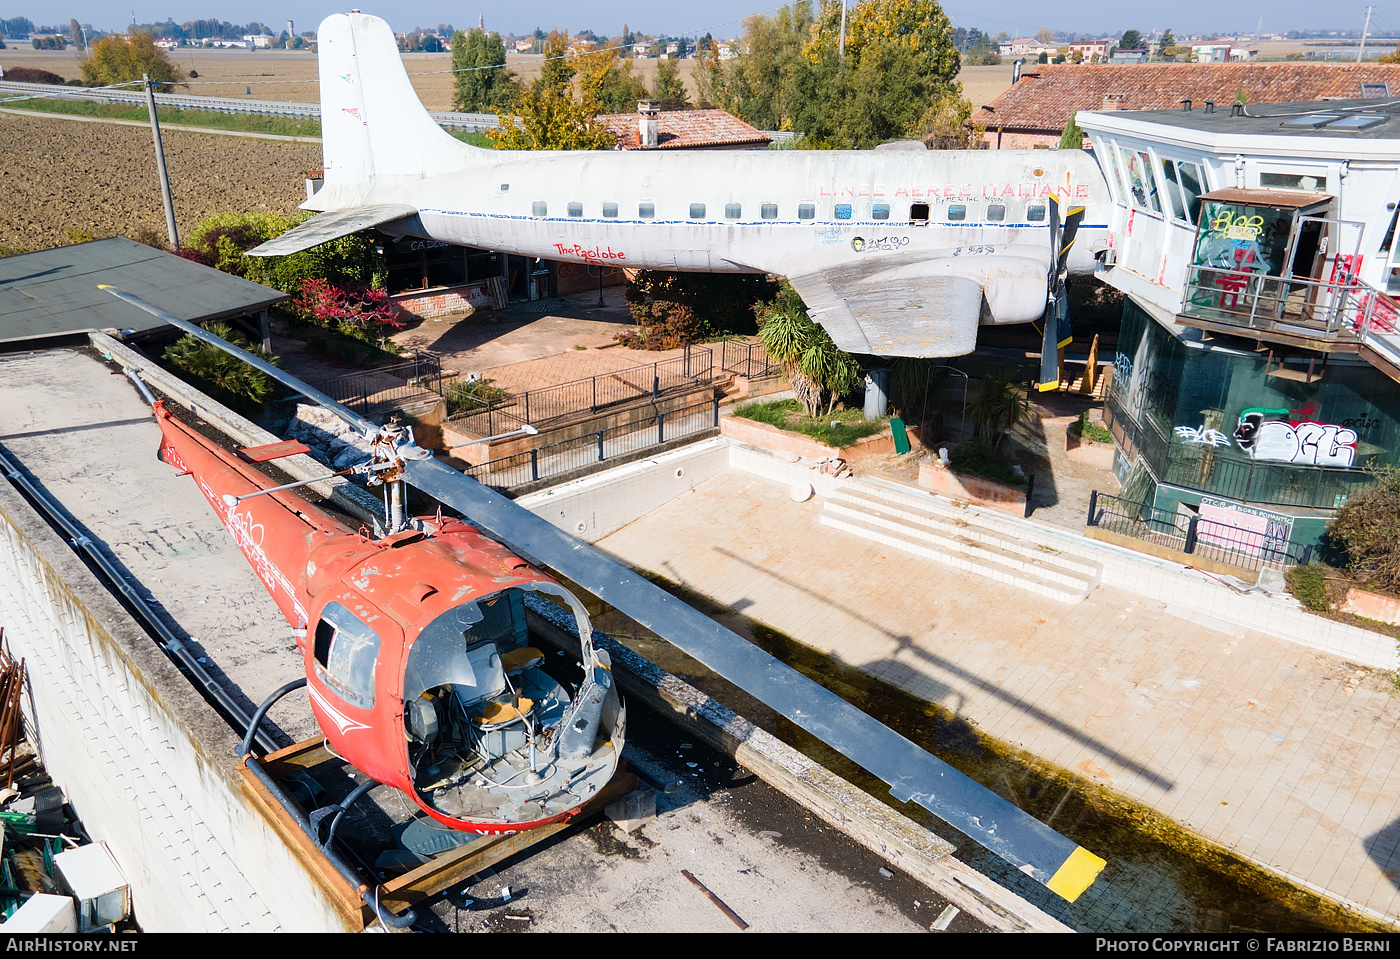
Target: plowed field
(100, 178)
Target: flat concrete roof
(54, 293)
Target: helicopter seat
(494, 715)
(520, 659)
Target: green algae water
(1160, 876)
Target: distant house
(1128, 56)
(687, 130)
(1034, 111)
(1026, 47)
(1088, 49)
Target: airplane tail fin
(375, 132)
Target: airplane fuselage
(977, 214)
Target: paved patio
(1279, 752)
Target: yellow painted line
(1075, 874)
(1065, 342)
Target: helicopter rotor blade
(912, 773)
(281, 376)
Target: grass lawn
(840, 429)
(210, 119)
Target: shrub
(1309, 587)
(673, 309)
(1365, 530)
(1091, 431)
(358, 311)
(812, 364)
(222, 242)
(31, 75)
(476, 395)
(213, 366)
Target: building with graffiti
(1257, 379)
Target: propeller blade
(281, 376)
(913, 774)
(1049, 345)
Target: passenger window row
(918, 212)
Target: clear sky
(721, 17)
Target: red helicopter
(418, 662)
(420, 670)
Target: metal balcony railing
(1344, 311)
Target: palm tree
(1001, 404)
(812, 363)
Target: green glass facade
(1195, 419)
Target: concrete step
(926, 527)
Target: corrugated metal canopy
(54, 292)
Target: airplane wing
(331, 226)
(892, 308)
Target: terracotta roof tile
(1048, 94)
(686, 130)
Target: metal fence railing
(366, 391)
(1343, 309)
(592, 449)
(486, 414)
(746, 358)
(1190, 534)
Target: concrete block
(43, 913)
(633, 810)
(91, 875)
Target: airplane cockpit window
(918, 214)
(610, 210)
(1192, 185)
(346, 651)
(957, 211)
(880, 211)
(539, 208)
(1035, 212)
(575, 209)
(843, 211)
(1141, 186)
(646, 211)
(769, 211)
(1173, 195)
(996, 212)
(697, 211)
(806, 211)
(732, 211)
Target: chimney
(649, 123)
(1016, 70)
(1113, 101)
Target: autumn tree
(118, 59)
(896, 79)
(605, 78)
(668, 86)
(481, 81)
(1045, 35)
(546, 116)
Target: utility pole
(160, 163)
(841, 53)
(1364, 30)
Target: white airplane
(896, 253)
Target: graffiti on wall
(1306, 443)
(1301, 441)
